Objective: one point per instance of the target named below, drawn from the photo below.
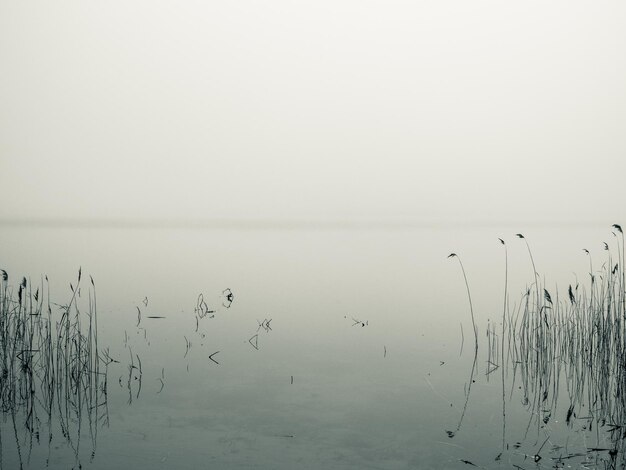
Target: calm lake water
(341, 349)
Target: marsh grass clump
(573, 348)
(53, 378)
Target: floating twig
(211, 357)
(254, 341)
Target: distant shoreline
(282, 224)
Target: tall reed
(50, 365)
(469, 296)
(574, 348)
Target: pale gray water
(320, 391)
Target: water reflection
(549, 375)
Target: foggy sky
(420, 110)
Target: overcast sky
(416, 110)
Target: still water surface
(341, 349)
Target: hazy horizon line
(269, 223)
